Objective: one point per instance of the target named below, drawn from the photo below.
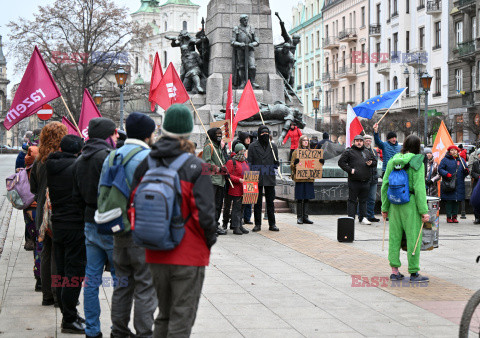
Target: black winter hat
(263, 129)
(72, 144)
(325, 136)
(139, 126)
(391, 134)
(101, 128)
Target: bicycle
(472, 310)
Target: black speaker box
(346, 229)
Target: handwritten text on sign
(250, 187)
(309, 166)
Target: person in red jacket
(463, 152)
(178, 274)
(236, 167)
(294, 135)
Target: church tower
(3, 81)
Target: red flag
(170, 90)
(157, 74)
(247, 107)
(70, 127)
(36, 88)
(89, 111)
(354, 127)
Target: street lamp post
(316, 103)
(121, 77)
(426, 82)
(97, 98)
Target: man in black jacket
(68, 232)
(103, 135)
(357, 162)
(260, 158)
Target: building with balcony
(346, 32)
(307, 22)
(464, 64)
(411, 41)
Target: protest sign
(309, 166)
(250, 187)
(226, 127)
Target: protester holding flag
(389, 148)
(213, 155)
(407, 217)
(357, 163)
(453, 169)
(261, 157)
(303, 187)
(50, 138)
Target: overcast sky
(12, 10)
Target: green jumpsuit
(406, 217)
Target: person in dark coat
(261, 158)
(243, 138)
(68, 232)
(88, 167)
(122, 136)
(389, 148)
(431, 175)
(325, 138)
(358, 163)
(20, 161)
(372, 194)
(450, 165)
(475, 173)
(50, 138)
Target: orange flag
(442, 142)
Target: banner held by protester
(309, 166)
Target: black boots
(305, 215)
(257, 228)
(302, 216)
(237, 231)
(299, 212)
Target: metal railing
(467, 99)
(347, 33)
(375, 29)
(434, 6)
(462, 3)
(330, 41)
(465, 48)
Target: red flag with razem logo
(70, 127)
(157, 74)
(36, 88)
(170, 90)
(247, 106)
(89, 111)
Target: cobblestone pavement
(299, 282)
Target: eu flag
(382, 101)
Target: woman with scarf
(431, 176)
(303, 187)
(453, 168)
(236, 167)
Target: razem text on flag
(383, 101)
(170, 90)
(36, 88)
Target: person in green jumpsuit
(406, 217)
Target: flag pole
(71, 116)
(391, 105)
(275, 157)
(213, 147)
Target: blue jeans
(247, 212)
(372, 196)
(99, 250)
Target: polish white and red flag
(36, 89)
(354, 127)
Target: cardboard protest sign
(226, 126)
(250, 187)
(309, 166)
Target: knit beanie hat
(178, 121)
(263, 129)
(427, 151)
(139, 126)
(239, 147)
(325, 136)
(71, 144)
(101, 127)
(391, 134)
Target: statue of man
(191, 69)
(244, 40)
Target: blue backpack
(158, 222)
(398, 185)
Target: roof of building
(3, 61)
(139, 80)
(148, 6)
(180, 2)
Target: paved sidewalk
(295, 283)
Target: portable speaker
(346, 229)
